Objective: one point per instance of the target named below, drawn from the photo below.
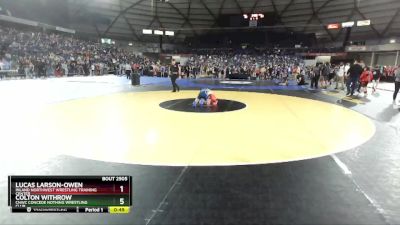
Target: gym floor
(269, 154)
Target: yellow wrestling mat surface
(132, 128)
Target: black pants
(351, 84)
(396, 89)
(173, 81)
(42, 72)
(314, 81)
(128, 74)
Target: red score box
(333, 26)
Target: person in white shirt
(92, 68)
(340, 73)
(346, 70)
(64, 66)
(128, 70)
(376, 78)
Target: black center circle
(185, 105)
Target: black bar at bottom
(9, 191)
(60, 210)
(130, 191)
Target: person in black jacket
(174, 75)
(353, 77)
(315, 74)
(324, 70)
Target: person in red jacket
(365, 78)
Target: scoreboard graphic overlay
(70, 194)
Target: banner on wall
(323, 59)
(311, 54)
(310, 62)
(356, 48)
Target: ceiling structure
(126, 18)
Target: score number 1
(121, 200)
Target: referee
(174, 75)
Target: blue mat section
(191, 84)
(144, 80)
(188, 83)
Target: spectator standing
(128, 70)
(396, 85)
(353, 77)
(332, 73)
(26, 68)
(325, 70)
(92, 68)
(86, 68)
(263, 72)
(31, 69)
(187, 71)
(365, 78)
(65, 68)
(315, 74)
(377, 76)
(42, 69)
(346, 70)
(340, 74)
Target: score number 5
(121, 200)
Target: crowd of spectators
(267, 65)
(42, 54)
(353, 77)
(39, 53)
(260, 50)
